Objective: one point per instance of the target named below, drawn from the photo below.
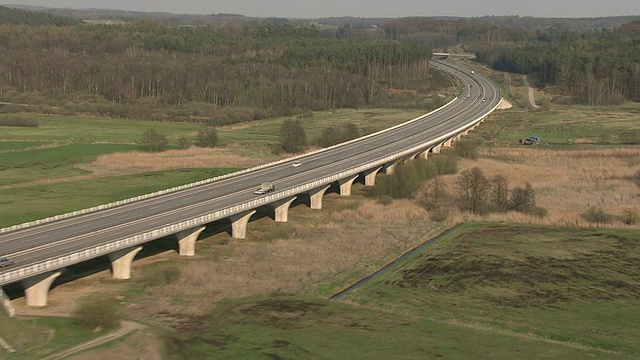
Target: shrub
(207, 138)
(630, 217)
(18, 122)
(307, 114)
(332, 135)
(446, 165)
(439, 215)
(523, 199)
(539, 211)
(154, 141)
(468, 149)
(98, 312)
(385, 200)
(219, 120)
(292, 136)
(161, 277)
(597, 215)
(182, 143)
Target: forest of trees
(595, 66)
(270, 69)
(599, 67)
(254, 69)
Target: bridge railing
(207, 181)
(105, 249)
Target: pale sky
(360, 8)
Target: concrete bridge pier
(370, 176)
(424, 155)
(345, 185)
(436, 149)
(36, 288)
(187, 241)
(315, 196)
(121, 262)
(390, 168)
(447, 143)
(239, 224)
(281, 209)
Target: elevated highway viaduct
(41, 249)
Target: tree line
(276, 69)
(599, 65)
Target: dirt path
(125, 328)
(532, 97)
(526, 336)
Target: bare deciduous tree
(523, 199)
(500, 192)
(474, 188)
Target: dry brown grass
(135, 162)
(340, 243)
(354, 236)
(567, 182)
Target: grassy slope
(566, 125)
(64, 129)
(72, 141)
(485, 291)
(36, 202)
(52, 163)
(31, 337)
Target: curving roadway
(38, 243)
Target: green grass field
(19, 167)
(39, 337)
(53, 150)
(263, 136)
(483, 291)
(565, 125)
(64, 129)
(30, 203)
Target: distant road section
(530, 90)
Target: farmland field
(483, 291)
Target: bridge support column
(345, 185)
(316, 195)
(239, 224)
(187, 241)
(466, 132)
(281, 209)
(436, 149)
(424, 155)
(370, 176)
(121, 262)
(389, 168)
(36, 288)
(447, 143)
